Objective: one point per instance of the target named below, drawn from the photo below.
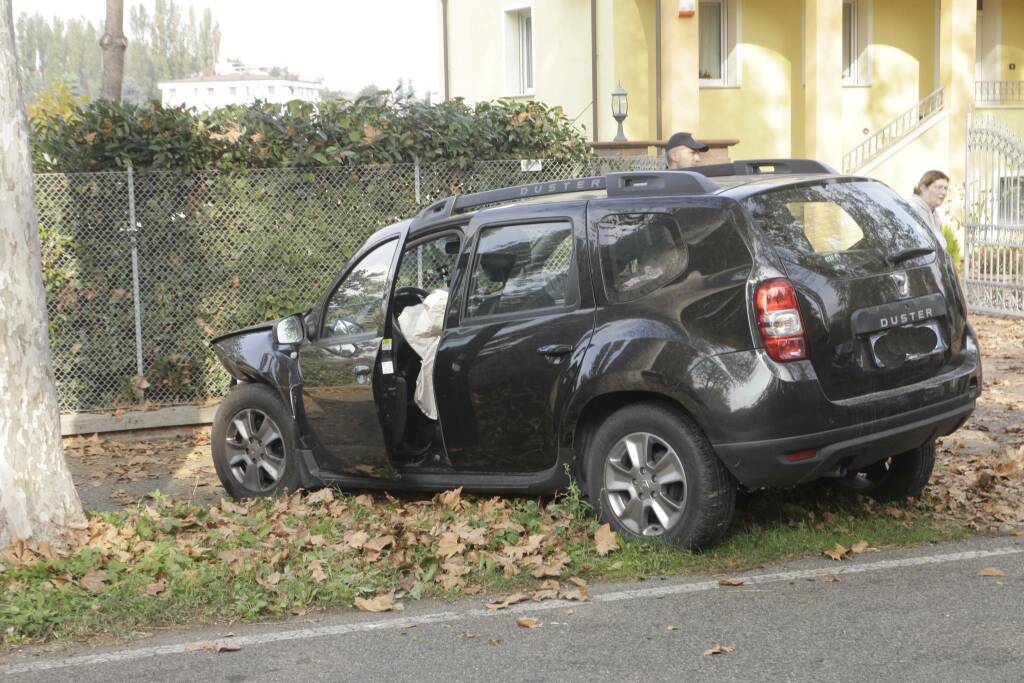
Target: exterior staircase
(893, 132)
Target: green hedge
(102, 135)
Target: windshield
(841, 229)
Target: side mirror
(289, 330)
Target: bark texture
(37, 497)
(113, 44)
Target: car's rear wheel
(254, 444)
(651, 472)
(900, 476)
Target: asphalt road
(913, 615)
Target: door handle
(555, 349)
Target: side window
(429, 265)
(522, 268)
(355, 306)
(639, 253)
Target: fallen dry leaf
(381, 603)
(830, 578)
(509, 600)
(449, 545)
(156, 588)
(605, 539)
(211, 645)
(527, 622)
(579, 593)
(730, 582)
(860, 547)
(718, 649)
(324, 495)
(991, 571)
(94, 580)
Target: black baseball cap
(681, 139)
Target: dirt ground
(979, 477)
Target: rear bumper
(846, 434)
(764, 463)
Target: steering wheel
(408, 296)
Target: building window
(719, 39)
(519, 51)
(171, 92)
(209, 91)
(233, 90)
(856, 25)
(270, 90)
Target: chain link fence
(143, 269)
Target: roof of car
(736, 180)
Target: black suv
(661, 337)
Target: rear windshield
(840, 228)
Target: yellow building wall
(561, 53)
(902, 68)
(766, 112)
(626, 56)
(1012, 41)
(927, 151)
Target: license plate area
(891, 348)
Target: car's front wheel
(901, 476)
(651, 472)
(254, 444)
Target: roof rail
(629, 184)
(658, 183)
(763, 167)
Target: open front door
(345, 370)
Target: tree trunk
(37, 497)
(113, 44)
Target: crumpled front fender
(251, 355)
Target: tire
(901, 476)
(266, 465)
(691, 505)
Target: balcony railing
(998, 93)
(893, 132)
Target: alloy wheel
(645, 484)
(255, 450)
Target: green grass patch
(177, 564)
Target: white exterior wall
(207, 95)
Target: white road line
(398, 622)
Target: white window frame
(520, 78)
(732, 68)
(862, 15)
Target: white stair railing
(998, 92)
(893, 132)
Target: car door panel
(344, 382)
(502, 378)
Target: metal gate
(994, 218)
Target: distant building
(209, 92)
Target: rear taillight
(779, 321)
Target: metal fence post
(419, 250)
(416, 179)
(133, 228)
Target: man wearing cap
(682, 151)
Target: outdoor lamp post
(620, 107)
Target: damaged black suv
(661, 337)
